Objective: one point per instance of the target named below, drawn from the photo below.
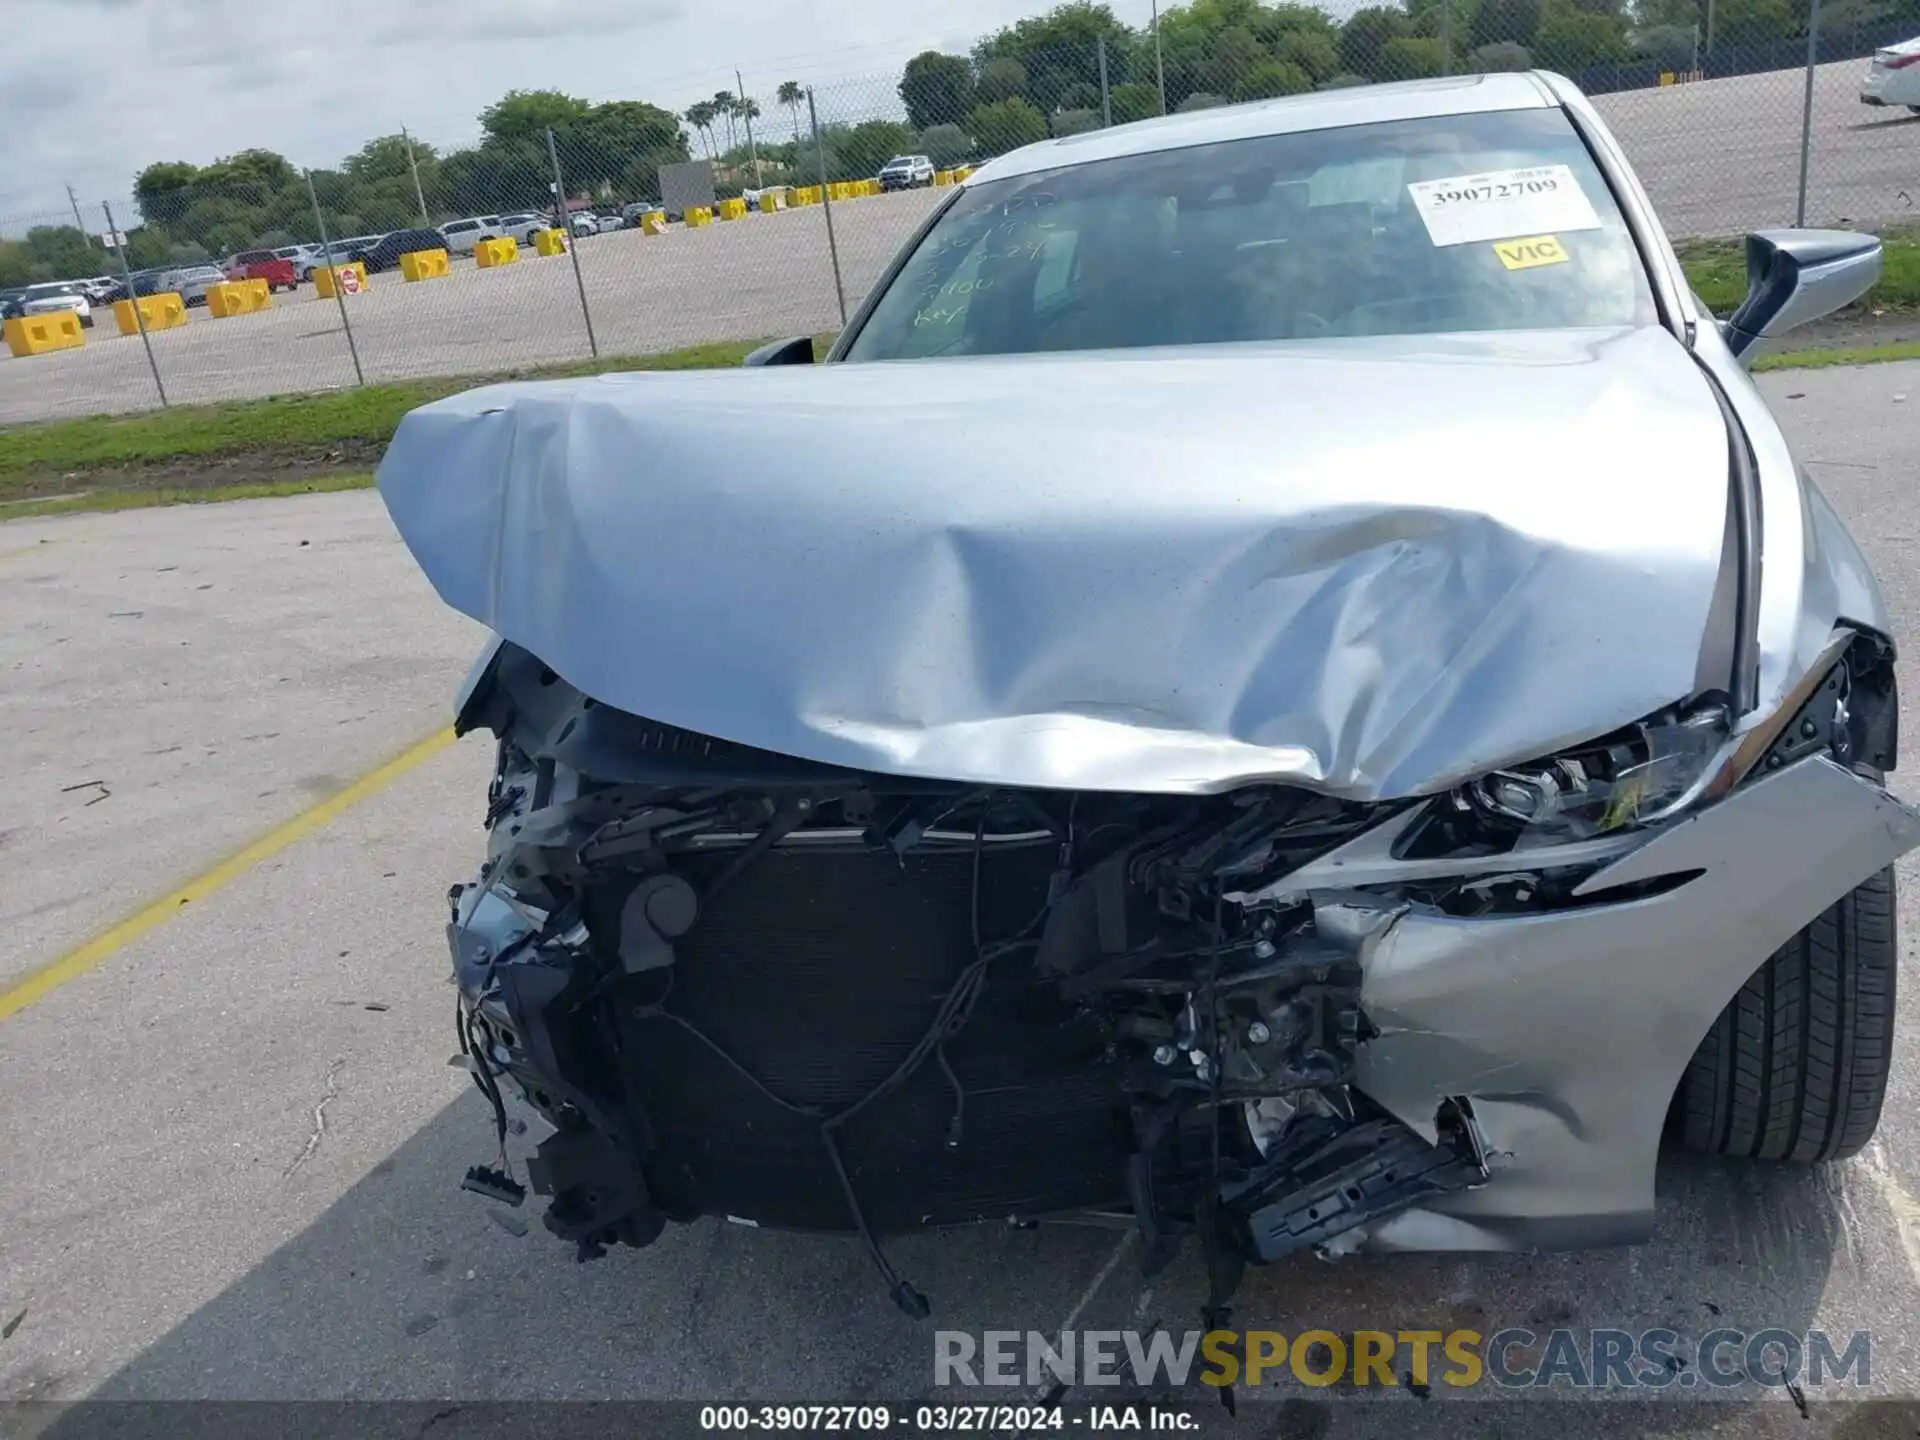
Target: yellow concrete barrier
(240, 297)
(943, 178)
(803, 195)
(733, 208)
(697, 216)
(654, 222)
(161, 312)
(37, 334)
(352, 279)
(769, 204)
(961, 172)
(501, 250)
(425, 265)
(549, 242)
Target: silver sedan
(1294, 690)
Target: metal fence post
(1106, 94)
(1446, 37)
(573, 243)
(326, 256)
(1806, 111)
(133, 299)
(1159, 60)
(826, 200)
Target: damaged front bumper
(1567, 1032)
(735, 983)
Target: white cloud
(93, 90)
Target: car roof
(1292, 114)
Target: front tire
(1796, 1067)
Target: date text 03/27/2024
(944, 1419)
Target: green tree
(1075, 122)
(527, 114)
(1315, 52)
(1501, 56)
(1006, 125)
(1232, 54)
(936, 89)
(1134, 101)
(1057, 48)
(1410, 58)
(1570, 40)
(701, 115)
(16, 264)
(1751, 22)
(1002, 78)
(1270, 78)
(1343, 82)
(858, 151)
(790, 95)
(1366, 34)
(150, 246)
(1200, 100)
(945, 145)
(161, 183)
(602, 145)
(1667, 45)
(1497, 20)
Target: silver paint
(1093, 595)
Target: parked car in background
(345, 250)
(10, 303)
(265, 265)
(57, 295)
(100, 290)
(584, 222)
(630, 214)
(143, 283)
(461, 236)
(906, 172)
(386, 252)
(523, 225)
(1893, 76)
(303, 258)
(189, 282)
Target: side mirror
(1794, 276)
(797, 351)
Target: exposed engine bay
(737, 983)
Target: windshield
(1453, 223)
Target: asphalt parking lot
(1717, 156)
(233, 1146)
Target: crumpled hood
(1373, 567)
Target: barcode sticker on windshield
(1466, 209)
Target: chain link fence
(576, 234)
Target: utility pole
(78, 223)
(413, 164)
(1159, 61)
(746, 112)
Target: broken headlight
(1633, 776)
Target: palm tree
(790, 95)
(725, 105)
(700, 115)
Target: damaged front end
(738, 983)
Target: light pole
(1159, 61)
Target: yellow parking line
(50, 977)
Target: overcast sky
(93, 90)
